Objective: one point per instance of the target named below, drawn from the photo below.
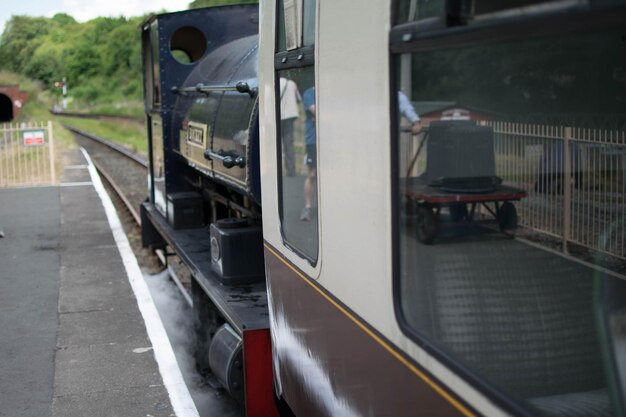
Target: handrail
(241, 87)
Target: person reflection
(308, 99)
(289, 111)
(408, 112)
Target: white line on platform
(181, 400)
(75, 184)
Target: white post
(567, 187)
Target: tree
(63, 19)
(22, 35)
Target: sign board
(197, 134)
(34, 137)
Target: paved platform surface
(72, 339)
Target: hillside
(37, 109)
(100, 59)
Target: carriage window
(295, 24)
(506, 153)
(410, 10)
(308, 23)
(490, 6)
(281, 41)
(297, 149)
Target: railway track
(126, 173)
(102, 116)
(124, 170)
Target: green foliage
(131, 134)
(100, 59)
(44, 66)
(63, 19)
(22, 35)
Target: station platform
(75, 338)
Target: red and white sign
(34, 137)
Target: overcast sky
(83, 10)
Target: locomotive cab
(200, 72)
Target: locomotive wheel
(507, 219)
(426, 226)
(206, 323)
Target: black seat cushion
(581, 404)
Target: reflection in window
(522, 139)
(295, 24)
(308, 24)
(410, 10)
(296, 93)
(281, 37)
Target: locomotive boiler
(200, 71)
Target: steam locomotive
(292, 177)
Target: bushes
(100, 59)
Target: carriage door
(297, 138)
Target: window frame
(417, 36)
(300, 57)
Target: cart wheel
(408, 214)
(507, 218)
(426, 225)
(458, 212)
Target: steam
(178, 319)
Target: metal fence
(575, 181)
(574, 178)
(26, 154)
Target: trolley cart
(460, 175)
(426, 203)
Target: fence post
(51, 150)
(567, 187)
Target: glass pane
(298, 157)
(308, 35)
(281, 41)
(292, 23)
(489, 6)
(522, 146)
(410, 10)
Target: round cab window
(187, 45)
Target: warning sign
(34, 137)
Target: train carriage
(281, 145)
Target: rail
(115, 146)
(162, 255)
(575, 179)
(241, 87)
(97, 116)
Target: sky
(83, 10)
